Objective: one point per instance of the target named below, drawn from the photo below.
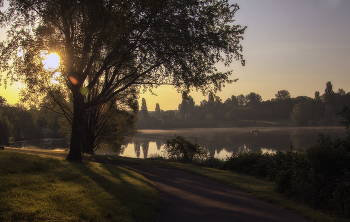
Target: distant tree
(211, 98)
(302, 113)
(184, 106)
(157, 111)
(282, 94)
(282, 105)
(144, 110)
(329, 96)
(168, 118)
(241, 100)
(317, 96)
(234, 101)
(191, 103)
(318, 105)
(253, 99)
(329, 88)
(329, 113)
(341, 92)
(231, 102)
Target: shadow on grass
(133, 194)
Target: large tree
(112, 45)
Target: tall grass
(36, 188)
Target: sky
(296, 45)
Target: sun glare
(52, 61)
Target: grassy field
(36, 188)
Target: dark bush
(257, 164)
(183, 149)
(319, 176)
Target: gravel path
(189, 197)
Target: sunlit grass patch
(64, 191)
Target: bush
(211, 162)
(183, 149)
(319, 176)
(253, 163)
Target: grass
(262, 189)
(258, 187)
(36, 188)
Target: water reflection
(137, 148)
(145, 146)
(223, 142)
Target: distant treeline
(250, 110)
(19, 123)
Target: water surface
(223, 142)
(220, 142)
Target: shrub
(319, 176)
(256, 164)
(211, 162)
(183, 149)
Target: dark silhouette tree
(329, 95)
(144, 110)
(282, 94)
(253, 99)
(157, 111)
(283, 104)
(302, 113)
(184, 106)
(317, 96)
(241, 100)
(111, 46)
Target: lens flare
(73, 80)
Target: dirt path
(190, 197)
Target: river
(220, 142)
(223, 142)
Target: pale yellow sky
(296, 45)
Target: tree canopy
(112, 46)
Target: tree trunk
(76, 142)
(90, 122)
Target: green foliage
(183, 149)
(318, 176)
(20, 123)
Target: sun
(52, 61)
